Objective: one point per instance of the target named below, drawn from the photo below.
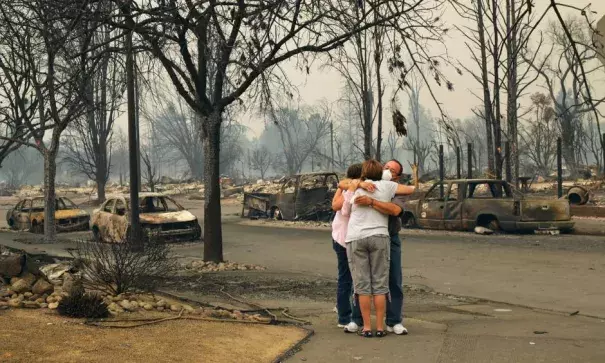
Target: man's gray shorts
(369, 261)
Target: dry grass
(41, 336)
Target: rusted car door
(20, 215)
(431, 208)
(314, 195)
(452, 215)
(489, 198)
(285, 200)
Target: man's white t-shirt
(366, 221)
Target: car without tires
(28, 214)
(160, 216)
(494, 204)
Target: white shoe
(397, 329)
(341, 326)
(351, 328)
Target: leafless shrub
(123, 266)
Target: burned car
(160, 216)
(300, 197)
(28, 214)
(494, 204)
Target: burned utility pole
(332, 142)
(469, 161)
(509, 176)
(441, 171)
(135, 225)
(559, 169)
(458, 163)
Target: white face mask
(387, 175)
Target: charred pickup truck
(494, 204)
(300, 197)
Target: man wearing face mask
(392, 171)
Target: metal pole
(332, 142)
(469, 160)
(509, 176)
(135, 225)
(458, 163)
(559, 169)
(603, 161)
(441, 171)
(137, 118)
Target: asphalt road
(561, 273)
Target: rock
(50, 299)
(128, 306)
(3, 304)
(112, 306)
(42, 287)
(31, 305)
(175, 307)
(161, 303)
(15, 303)
(160, 308)
(44, 305)
(148, 307)
(27, 294)
(188, 308)
(27, 277)
(53, 306)
(40, 300)
(12, 265)
(20, 286)
(483, 230)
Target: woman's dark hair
(371, 170)
(354, 171)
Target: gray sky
(327, 85)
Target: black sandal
(365, 333)
(381, 333)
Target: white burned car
(160, 216)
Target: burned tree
(237, 49)
(261, 159)
(564, 83)
(87, 143)
(539, 135)
(300, 132)
(173, 121)
(46, 42)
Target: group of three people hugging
(365, 233)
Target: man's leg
(395, 304)
(344, 287)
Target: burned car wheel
(276, 214)
(37, 227)
(408, 220)
(489, 222)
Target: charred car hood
(70, 213)
(169, 217)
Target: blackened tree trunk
(101, 180)
(213, 230)
(50, 173)
(487, 103)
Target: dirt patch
(197, 341)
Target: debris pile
(207, 266)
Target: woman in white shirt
(368, 246)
